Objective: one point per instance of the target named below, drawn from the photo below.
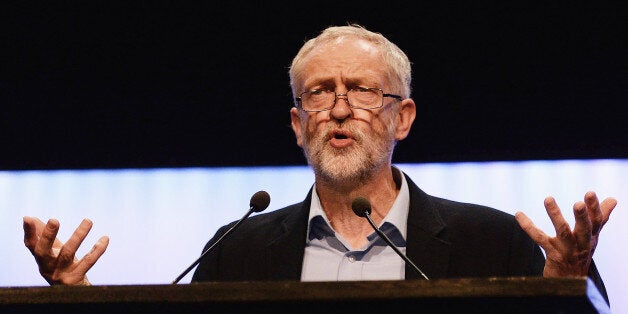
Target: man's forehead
(349, 57)
(348, 53)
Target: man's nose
(341, 112)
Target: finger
(563, 231)
(30, 232)
(537, 235)
(41, 226)
(582, 229)
(86, 263)
(47, 238)
(607, 206)
(595, 212)
(68, 251)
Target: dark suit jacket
(445, 239)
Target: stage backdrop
(159, 219)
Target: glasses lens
(365, 98)
(317, 99)
(361, 97)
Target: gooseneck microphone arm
(259, 202)
(362, 207)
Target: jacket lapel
(425, 247)
(287, 247)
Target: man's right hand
(57, 261)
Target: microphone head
(259, 201)
(361, 206)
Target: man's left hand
(570, 252)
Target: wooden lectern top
(467, 295)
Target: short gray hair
(399, 69)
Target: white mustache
(354, 132)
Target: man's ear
(295, 119)
(405, 118)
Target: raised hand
(570, 252)
(57, 261)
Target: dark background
(165, 84)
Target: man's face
(344, 143)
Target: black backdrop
(165, 84)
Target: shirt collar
(397, 216)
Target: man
(352, 105)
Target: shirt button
(351, 258)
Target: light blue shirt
(329, 257)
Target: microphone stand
(367, 214)
(186, 271)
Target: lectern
(467, 295)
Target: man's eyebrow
(359, 82)
(323, 83)
(329, 83)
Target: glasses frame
(384, 95)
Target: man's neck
(336, 197)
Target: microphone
(259, 202)
(362, 207)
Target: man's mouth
(341, 139)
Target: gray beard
(352, 164)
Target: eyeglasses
(317, 100)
